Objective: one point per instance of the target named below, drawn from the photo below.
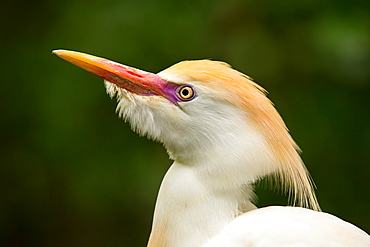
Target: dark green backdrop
(73, 174)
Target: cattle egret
(223, 135)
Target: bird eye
(186, 92)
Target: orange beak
(133, 80)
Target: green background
(73, 174)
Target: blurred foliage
(73, 174)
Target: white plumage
(223, 135)
(289, 226)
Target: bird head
(205, 112)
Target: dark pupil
(185, 92)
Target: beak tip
(57, 52)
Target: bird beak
(133, 80)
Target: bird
(223, 134)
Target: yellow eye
(186, 92)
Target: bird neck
(191, 209)
(210, 182)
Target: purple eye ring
(186, 92)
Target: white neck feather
(189, 211)
(202, 193)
